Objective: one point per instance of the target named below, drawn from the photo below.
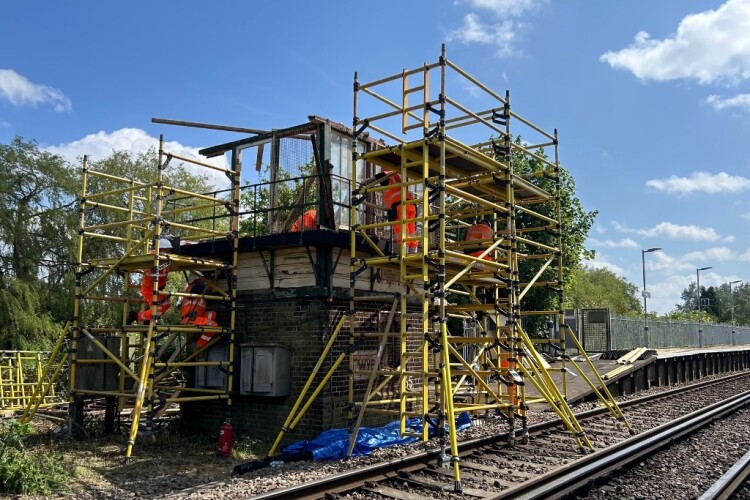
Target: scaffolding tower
(122, 223)
(457, 167)
(451, 167)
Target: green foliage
(576, 223)
(256, 200)
(24, 322)
(720, 304)
(37, 206)
(23, 471)
(39, 221)
(37, 201)
(588, 287)
(676, 314)
(246, 447)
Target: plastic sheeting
(333, 444)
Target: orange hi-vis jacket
(479, 232)
(392, 201)
(308, 220)
(194, 311)
(147, 291)
(147, 285)
(393, 195)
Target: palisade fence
(628, 333)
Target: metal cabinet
(265, 370)
(212, 377)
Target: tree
(37, 220)
(741, 300)
(576, 223)
(719, 305)
(589, 287)
(37, 201)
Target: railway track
(491, 469)
(582, 473)
(733, 482)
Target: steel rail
(581, 473)
(730, 482)
(350, 480)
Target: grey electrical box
(212, 377)
(265, 370)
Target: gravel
(686, 469)
(185, 482)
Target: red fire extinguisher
(226, 436)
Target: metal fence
(627, 333)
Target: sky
(651, 99)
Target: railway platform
(626, 372)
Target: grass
(39, 462)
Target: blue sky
(651, 99)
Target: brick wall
(302, 325)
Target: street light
(645, 295)
(698, 293)
(731, 296)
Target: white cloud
(500, 32)
(601, 263)
(19, 91)
(663, 262)
(501, 35)
(673, 231)
(624, 243)
(712, 254)
(710, 47)
(101, 145)
(665, 294)
(741, 101)
(701, 182)
(746, 215)
(507, 8)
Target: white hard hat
(165, 244)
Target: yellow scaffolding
(443, 163)
(147, 358)
(455, 167)
(20, 373)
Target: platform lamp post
(731, 297)
(698, 293)
(646, 339)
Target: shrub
(246, 447)
(23, 471)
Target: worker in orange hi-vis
(392, 201)
(308, 220)
(147, 286)
(481, 231)
(194, 310)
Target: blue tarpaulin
(332, 444)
